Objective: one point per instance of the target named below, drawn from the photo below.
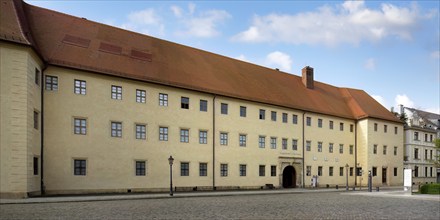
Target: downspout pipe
(303, 153)
(355, 152)
(42, 85)
(213, 142)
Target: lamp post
(346, 177)
(171, 160)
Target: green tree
(403, 117)
(437, 148)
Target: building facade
(88, 108)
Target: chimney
(307, 77)
(402, 109)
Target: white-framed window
(223, 169)
(341, 148)
(223, 138)
(141, 96)
(309, 121)
(51, 83)
(184, 135)
(319, 123)
(79, 87)
(273, 115)
(184, 169)
(284, 117)
(184, 102)
(262, 170)
(242, 140)
(141, 131)
(262, 114)
(261, 141)
(284, 143)
(116, 128)
(375, 149)
(295, 119)
(243, 111)
(330, 147)
(203, 105)
(319, 146)
(163, 99)
(79, 126)
(140, 169)
(116, 92)
(242, 168)
(308, 145)
(294, 144)
(308, 170)
(273, 142)
(330, 125)
(79, 167)
(224, 108)
(203, 169)
(163, 133)
(203, 137)
(384, 150)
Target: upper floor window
(273, 116)
(351, 149)
(242, 111)
(141, 96)
(319, 146)
(116, 129)
(308, 121)
(426, 137)
(351, 128)
(308, 145)
(184, 102)
(184, 135)
(262, 141)
(224, 108)
(384, 150)
(330, 125)
(203, 137)
(395, 150)
(341, 148)
(416, 153)
(416, 135)
(430, 138)
(341, 126)
(223, 138)
(273, 142)
(163, 133)
(294, 144)
(319, 123)
(284, 143)
(80, 87)
(375, 149)
(262, 115)
(203, 105)
(80, 126)
(163, 99)
(51, 83)
(36, 119)
(284, 117)
(295, 119)
(37, 76)
(385, 128)
(116, 92)
(330, 148)
(141, 131)
(242, 140)
(375, 126)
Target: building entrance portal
(289, 177)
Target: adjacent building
(90, 108)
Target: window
(319, 123)
(385, 128)
(416, 153)
(163, 99)
(395, 151)
(35, 165)
(184, 169)
(308, 121)
(141, 132)
(203, 137)
(37, 76)
(308, 170)
(163, 133)
(351, 149)
(273, 170)
(141, 96)
(375, 126)
(341, 171)
(116, 129)
(284, 117)
(261, 141)
(36, 119)
(116, 92)
(242, 168)
(262, 114)
(295, 119)
(224, 108)
(319, 146)
(242, 140)
(223, 169)
(184, 102)
(330, 171)
(284, 143)
(262, 170)
(203, 105)
(341, 126)
(416, 171)
(430, 138)
(375, 149)
(426, 137)
(294, 144)
(426, 171)
(374, 171)
(80, 126)
(319, 171)
(395, 130)
(308, 145)
(426, 154)
(223, 138)
(430, 154)
(395, 171)
(51, 83)
(351, 128)
(273, 142)
(351, 171)
(184, 135)
(242, 111)
(140, 168)
(203, 169)
(341, 148)
(384, 150)
(273, 116)
(330, 125)
(430, 171)
(79, 167)
(330, 148)
(80, 87)
(416, 136)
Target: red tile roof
(78, 43)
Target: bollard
(377, 189)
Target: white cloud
(145, 21)
(242, 58)
(350, 22)
(203, 24)
(381, 100)
(177, 11)
(147, 16)
(279, 60)
(403, 100)
(370, 64)
(435, 54)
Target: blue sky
(390, 49)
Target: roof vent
(77, 41)
(307, 77)
(141, 55)
(109, 48)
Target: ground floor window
(184, 169)
(374, 171)
(79, 167)
(308, 170)
(223, 169)
(395, 171)
(262, 170)
(35, 165)
(140, 168)
(273, 170)
(319, 171)
(341, 171)
(242, 169)
(203, 169)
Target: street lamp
(171, 160)
(346, 175)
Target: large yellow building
(88, 108)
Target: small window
(351, 128)
(203, 169)
(242, 140)
(79, 167)
(351, 171)
(273, 170)
(163, 99)
(416, 153)
(242, 168)
(319, 146)
(51, 83)
(330, 147)
(341, 148)
(375, 149)
(80, 87)
(184, 169)
(223, 169)
(141, 132)
(37, 76)
(416, 171)
(203, 137)
(341, 171)
(203, 105)
(224, 139)
(273, 116)
(273, 143)
(396, 129)
(284, 117)
(385, 128)
(395, 151)
(308, 170)
(184, 135)
(351, 149)
(426, 154)
(295, 119)
(141, 96)
(384, 150)
(163, 133)
(262, 114)
(416, 136)
(341, 126)
(319, 170)
(36, 119)
(284, 143)
(116, 92)
(375, 126)
(330, 171)
(330, 125)
(426, 137)
(116, 129)
(140, 168)
(308, 145)
(80, 126)
(294, 144)
(184, 103)
(395, 171)
(261, 141)
(242, 111)
(308, 121)
(35, 165)
(224, 109)
(319, 123)
(374, 171)
(262, 170)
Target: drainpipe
(303, 163)
(43, 81)
(355, 152)
(213, 142)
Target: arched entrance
(289, 177)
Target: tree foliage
(437, 148)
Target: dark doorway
(384, 175)
(289, 177)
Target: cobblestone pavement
(325, 205)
